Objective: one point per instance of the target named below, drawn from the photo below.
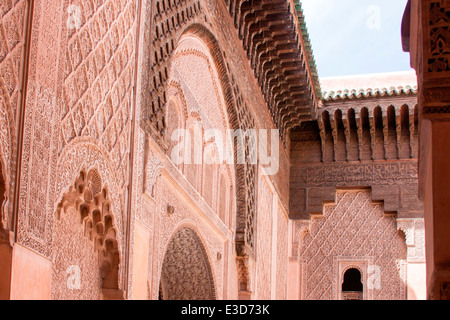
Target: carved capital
(243, 277)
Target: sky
(353, 37)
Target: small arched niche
(352, 287)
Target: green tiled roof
(369, 93)
(402, 83)
(308, 48)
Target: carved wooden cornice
(274, 36)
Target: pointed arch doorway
(186, 272)
(352, 287)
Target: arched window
(352, 287)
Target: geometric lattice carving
(352, 229)
(186, 272)
(90, 199)
(88, 74)
(436, 110)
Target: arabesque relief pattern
(13, 22)
(436, 58)
(74, 255)
(82, 93)
(352, 227)
(186, 273)
(439, 50)
(95, 154)
(85, 237)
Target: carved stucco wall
(5, 154)
(196, 98)
(185, 215)
(78, 108)
(195, 92)
(353, 231)
(264, 247)
(85, 250)
(194, 74)
(165, 23)
(78, 115)
(90, 72)
(73, 250)
(414, 230)
(272, 245)
(13, 19)
(282, 259)
(149, 158)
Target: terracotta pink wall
(5, 267)
(428, 202)
(436, 152)
(31, 275)
(140, 262)
(293, 281)
(441, 191)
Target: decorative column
(426, 36)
